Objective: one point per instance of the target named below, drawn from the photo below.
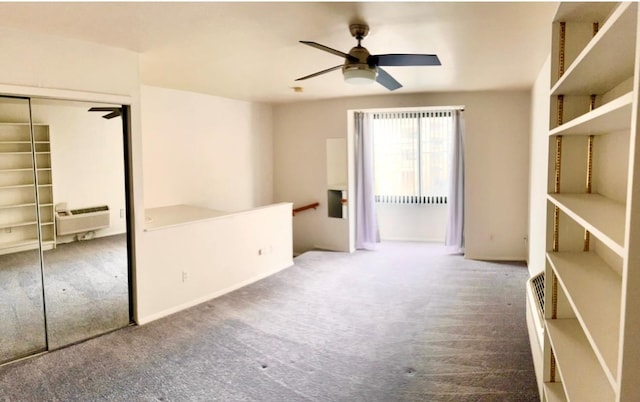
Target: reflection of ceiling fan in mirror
(361, 67)
(114, 111)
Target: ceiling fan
(361, 67)
(114, 111)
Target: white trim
(409, 109)
(64, 94)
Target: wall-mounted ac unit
(82, 220)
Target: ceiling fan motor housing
(362, 54)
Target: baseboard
(494, 258)
(210, 296)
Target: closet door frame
(125, 102)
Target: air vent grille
(89, 210)
(537, 285)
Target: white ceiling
(250, 51)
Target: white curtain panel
(454, 240)
(367, 233)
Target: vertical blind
(412, 156)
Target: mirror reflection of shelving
(18, 198)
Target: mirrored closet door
(65, 268)
(22, 316)
(86, 284)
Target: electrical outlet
(7, 230)
(184, 276)
(122, 213)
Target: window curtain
(367, 234)
(454, 240)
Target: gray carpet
(86, 289)
(21, 307)
(403, 323)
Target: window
(411, 156)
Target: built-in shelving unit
(25, 166)
(592, 274)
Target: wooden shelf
(593, 290)
(24, 245)
(17, 224)
(594, 340)
(610, 117)
(31, 204)
(603, 217)
(16, 170)
(582, 376)
(610, 51)
(21, 243)
(27, 185)
(554, 392)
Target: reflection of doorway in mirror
(86, 277)
(336, 158)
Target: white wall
(87, 159)
(215, 153)
(217, 256)
(538, 160)
(48, 62)
(496, 165)
(205, 151)
(412, 222)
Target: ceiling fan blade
(319, 73)
(387, 80)
(115, 111)
(330, 50)
(111, 115)
(104, 109)
(404, 60)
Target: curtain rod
(410, 109)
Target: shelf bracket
(587, 235)
(563, 26)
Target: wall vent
(537, 286)
(82, 220)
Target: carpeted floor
(86, 289)
(86, 292)
(404, 323)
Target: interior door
(22, 309)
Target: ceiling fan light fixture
(359, 76)
(361, 68)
